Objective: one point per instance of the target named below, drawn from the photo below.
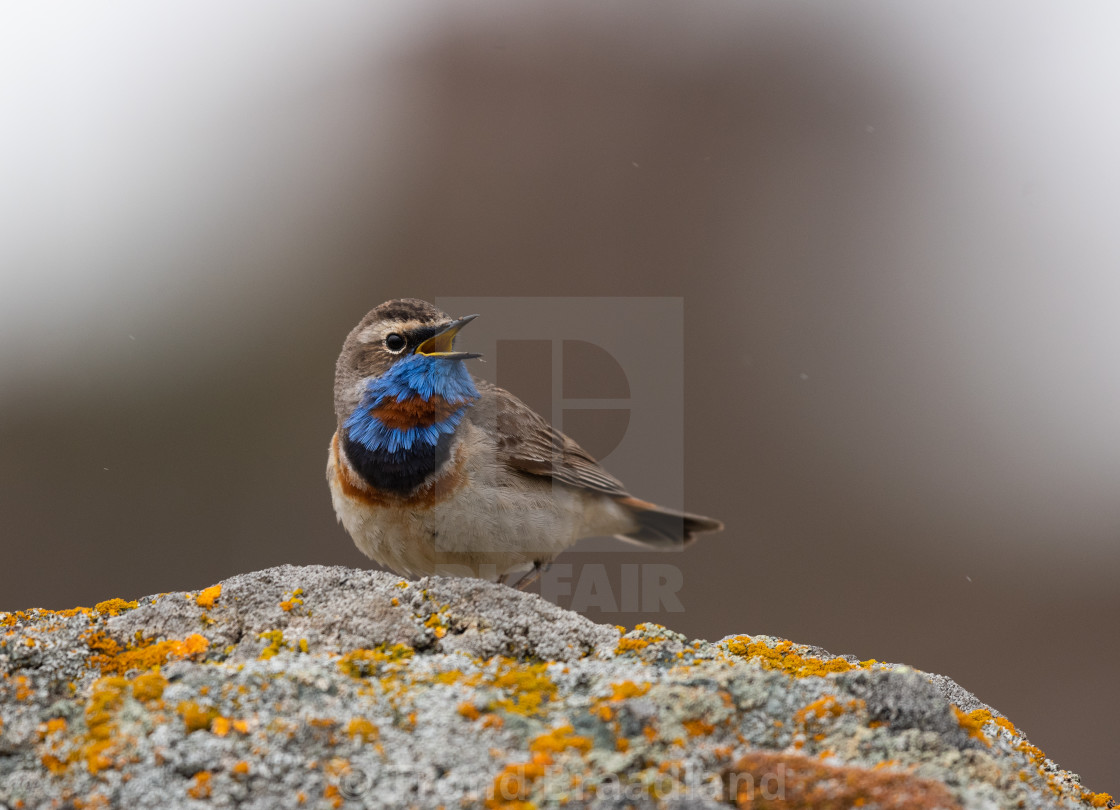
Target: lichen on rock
(330, 687)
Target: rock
(329, 687)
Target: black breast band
(399, 472)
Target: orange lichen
(698, 727)
(527, 685)
(558, 740)
(195, 717)
(809, 784)
(106, 698)
(113, 607)
(628, 689)
(200, 786)
(669, 765)
(54, 725)
(241, 768)
(23, 691)
(824, 707)
(149, 686)
(469, 710)
(436, 624)
(362, 728)
(783, 657)
(41, 615)
(54, 764)
(606, 710)
(1007, 726)
(292, 601)
(144, 654)
(363, 663)
(511, 788)
(208, 596)
(276, 643)
(626, 645)
(973, 722)
(603, 712)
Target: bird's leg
(530, 576)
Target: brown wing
(526, 442)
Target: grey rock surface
(324, 687)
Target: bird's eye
(394, 342)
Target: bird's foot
(529, 577)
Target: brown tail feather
(665, 528)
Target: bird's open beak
(439, 344)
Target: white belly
(496, 521)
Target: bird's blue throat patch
(400, 433)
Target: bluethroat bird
(432, 471)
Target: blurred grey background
(893, 227)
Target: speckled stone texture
(330, 687)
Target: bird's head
(402, 349)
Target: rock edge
(331, 687)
